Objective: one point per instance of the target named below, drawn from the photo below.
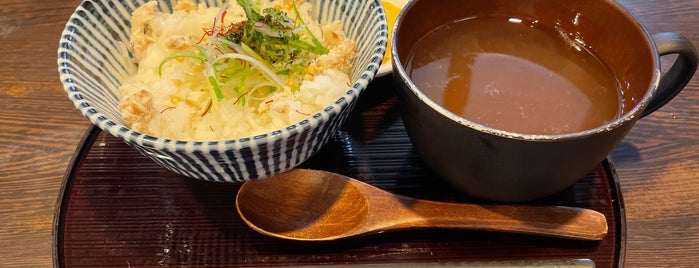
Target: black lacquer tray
(119, 209)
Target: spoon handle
(554, 221)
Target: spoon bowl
(314, 205)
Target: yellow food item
(392, 11)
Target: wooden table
(658, 163)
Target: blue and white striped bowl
(92, 63)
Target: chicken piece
(185, 5)
(332, 33)
(140, 28)
(179, 42)
(137, 108)
(341, 49)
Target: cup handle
(680, 72)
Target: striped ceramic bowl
(92, 65)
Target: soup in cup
(516, 100)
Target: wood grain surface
(658, 162)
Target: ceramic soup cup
(506, 166)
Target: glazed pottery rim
(626, 117)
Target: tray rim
(619, 210)
(92, 132)
(76, 159)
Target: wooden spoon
(313, 205)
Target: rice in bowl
(259, 87)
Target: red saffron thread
(167, 108)
(208, 108)
(302, 113)
(240, 97)
(223, 15)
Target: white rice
(173, 105)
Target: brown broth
(514, 75)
